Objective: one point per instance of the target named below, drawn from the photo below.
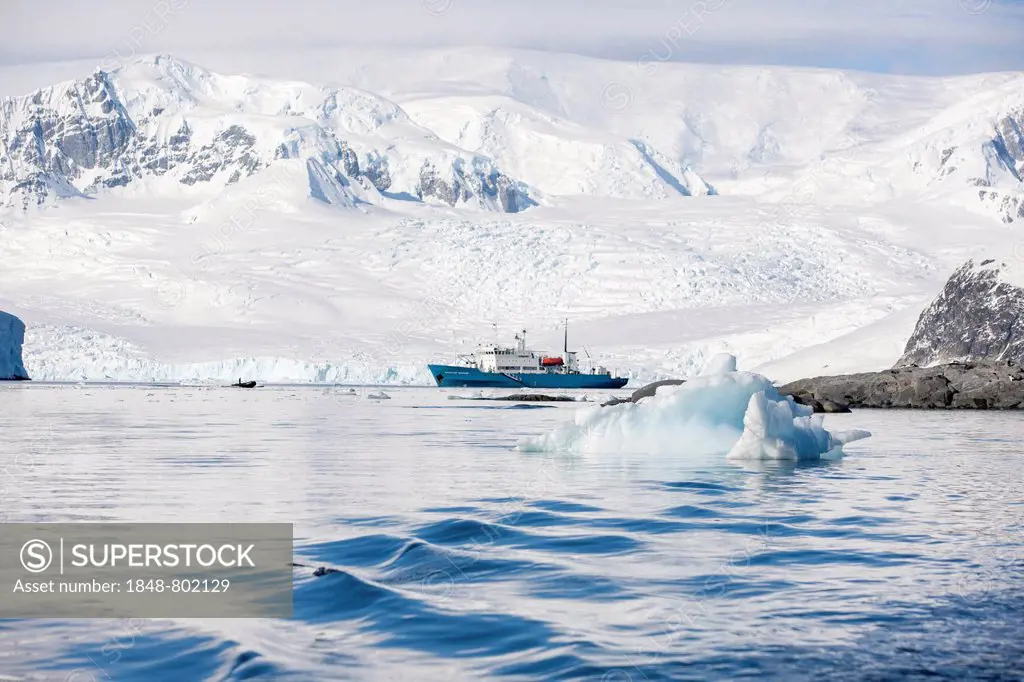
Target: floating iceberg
(12, 336)
(739, 414)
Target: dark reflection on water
(452, 556)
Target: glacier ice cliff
(12, 337)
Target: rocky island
(988, 385)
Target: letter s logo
(36, 556)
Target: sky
(928, 37)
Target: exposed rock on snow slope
(973, 153)
(554, 155)
(164, 117)
(978, 316)
(12, 336)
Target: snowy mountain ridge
(163, 117)
(503, 134)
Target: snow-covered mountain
(164, 118)
(971, 153)
(348, 215)
(785, 134)
(504, 133)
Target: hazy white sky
(904, 36)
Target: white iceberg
(723, 363)
(740, 415)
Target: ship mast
(565, 346)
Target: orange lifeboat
(551, 362)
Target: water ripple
(429, 549)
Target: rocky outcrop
(824, 406)
(464, 181)
(988, 385)
(12, 336)
(78, 138)
(978, 316)
(1009, 206)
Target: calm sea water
(461, 558)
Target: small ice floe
(380, 395)
(723, 411)
(473, 396)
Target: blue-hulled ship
(519, 367)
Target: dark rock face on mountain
(978, 316)
(987, 385)
(462, 184)
(1009, 206)
(47, 150)
(966, 352)
(12, 336)
(76, 139)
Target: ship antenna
(565, 347)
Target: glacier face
(12, 336)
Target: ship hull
(455, 376)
